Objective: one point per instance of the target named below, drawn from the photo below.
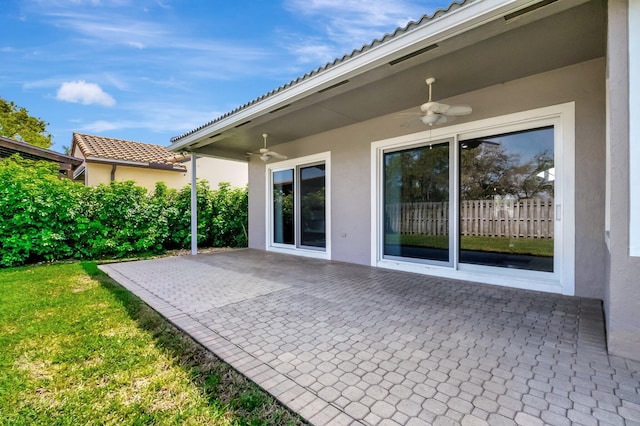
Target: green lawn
(531, 246)
(76, 348)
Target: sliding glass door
(490, 200)
(312, 206)
(299, 207)
(283, 201)
(416, 203)
(503, 207)
(507, 200)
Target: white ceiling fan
(265, 153)
(434, 113)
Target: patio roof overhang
(478, 44)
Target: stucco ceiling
(556, 35)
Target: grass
(77, 348)
(529, 246)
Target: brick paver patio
(346, 344)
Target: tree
(16, 123)
(489, 170)
(418, 175)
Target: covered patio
(348, 344)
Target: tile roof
(123, 150)
(424, 20)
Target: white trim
(295, 163)
(562, 280)
(607, 166)
(194, 207)
(634, 128)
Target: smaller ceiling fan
(434, 113)
(265, 153)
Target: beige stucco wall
(101, 173)
(351, 155)
(622, 290)
(215, 170)
(212, 169)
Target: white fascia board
(452, 23)
(634, 127)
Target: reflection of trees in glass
(283, 211)
(313, 210)
(489, 170)
(536, 176)
(283, 201)
(418, 175)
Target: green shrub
(229, 216)
(124, 221)
(180, 218)
(38, 212)
(45, 218)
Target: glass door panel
(416, 203)
(507, 200)
(283, 203)
(312, 206)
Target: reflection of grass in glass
(531, 246)
(418, 240)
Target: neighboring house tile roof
(99, 147)
(424, 20)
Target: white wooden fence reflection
(524, 218)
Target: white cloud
(346, 25)
(154, 117)
(313, 51)
(85, 93)
(103, 126)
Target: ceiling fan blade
(413, 120)
(276, 155)
(458, 110)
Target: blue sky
(148, 70)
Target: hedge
(46, 218)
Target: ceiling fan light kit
(431, 118)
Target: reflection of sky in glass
(527, 144)
(282, 177)
(312, 171)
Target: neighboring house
(66, 163)
(537, 188)
(110, 159)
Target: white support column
(634, 128)
(194, 207)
